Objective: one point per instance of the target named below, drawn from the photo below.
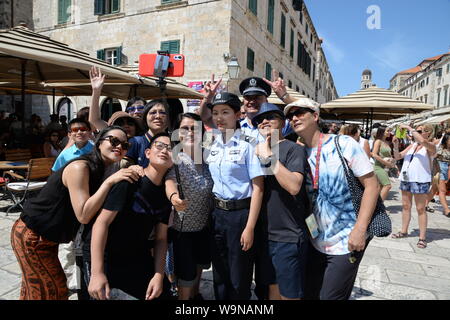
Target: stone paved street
(391, 269)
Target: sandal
(447, 214)
(422, 244)
(399, 235)
(427, 208)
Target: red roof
(411, 70)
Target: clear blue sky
(411, 30)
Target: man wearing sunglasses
(80, 133)
(135, 107)
(338, 236)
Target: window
(253, 6)
(109, 106)
(270, 15)
(250, 59)
(283, 31)
(268, 71)
(299, 53)
(438, 97)
(439, 72)
(106, 6)
(445, 95)
(112, 56)
(172, 46)
(64, 7)
(301, 17)
(168, 1)
(448, 68)
(310, 38)
(290, 84)
(314, 73)
(291, 50)
(306, 29)
(425, 98)
(428, 78)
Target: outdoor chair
(18, 155)
(38, 170)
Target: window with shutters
(299, 53)
(270, 15)
(291, 50)
(250, 59)
(106, 6)
(169, 1)
(301, 17)
(172, 46)
(283, 31)
(268, 71)
(253, 6)
(112, 56)
(306, 29)
(64, 8)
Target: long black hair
(380, 133)
(444, 140)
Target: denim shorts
(289, 261)
(444, 170)
(415, 187)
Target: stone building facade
(262, 35)
(429, 83)
(14, 12)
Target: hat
(227, 98)
(265, 109)
(254, 87)
(117, 115)
(303, 103)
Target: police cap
(227, 98)
(254, 86)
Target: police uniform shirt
(233, 166)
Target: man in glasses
(338, 235)
(80, 133)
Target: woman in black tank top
(73, 195)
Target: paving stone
(418, 281)
(443, 296)
(392, 264)
(434, 250)
(376, 252)
(372, 272)
(437, 272)
(8, 282)
(6, 257)
(396, 292)
(418, 258)
(391, 244)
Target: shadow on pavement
(433, 234)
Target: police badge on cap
(227, 98)
(255, 86)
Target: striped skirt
(42, 275)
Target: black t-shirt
(285, 213)
(140, 205)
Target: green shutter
(270, 16)
(101, 54)
(119, 55)
(283, 31)
(253, 6)
(63, 10)
(291, 52)
(115, 6)
(172, 46)
(299, 53)
(99, 7)
(250, 59)
(268, 71)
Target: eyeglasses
(161, 146)
(116, 141)
(76, 129)
(161, 113)
(419, 131)
(298, 112)
(135, 109)
(269, 117)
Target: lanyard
(412, 156)
(316, 176)
(148, 136)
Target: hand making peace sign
(211, 88)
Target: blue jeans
(444, 170)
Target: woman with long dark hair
(72, 196)
(52, 147)
(443, 158)
(382, 153)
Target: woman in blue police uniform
(238, 192)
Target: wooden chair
(18, 155)
(38, 169)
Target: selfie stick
(161, 66)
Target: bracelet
(284, 96)
(170, 198)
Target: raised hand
(211, 88)
(277, 84)
(97, 79)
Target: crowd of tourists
(263, 197)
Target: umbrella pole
(22, 107)
(54, 110)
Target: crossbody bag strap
(344, 162)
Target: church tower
(366, 79)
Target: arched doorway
(109, 106)
(65, 107)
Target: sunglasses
(161, 146)
(136, 109)
(269, 117)
(298, 112)
(76, 129)
(251, 98)
(122, 122)
(419, 131)
(162, 113)
(116, 141)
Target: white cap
(303, 103)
